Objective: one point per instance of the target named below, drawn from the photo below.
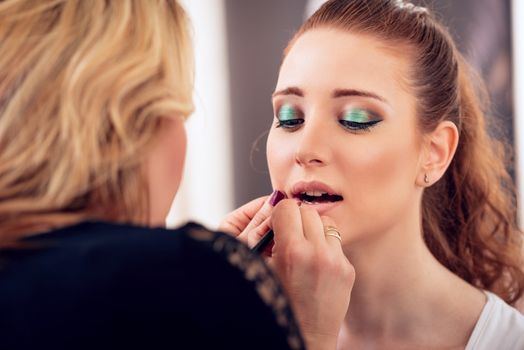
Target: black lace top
(108, 286)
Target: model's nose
(314, 146)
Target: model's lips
(315, 192)
(318, 197)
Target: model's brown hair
(469, 216)
(84, 89)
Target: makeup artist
(93, 99)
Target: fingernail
(268, 251)
(276, 197)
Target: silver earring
(426, 180)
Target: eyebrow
(336, 94)
(360, 93)
(289, 91)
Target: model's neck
(388, 283)
(400, 288)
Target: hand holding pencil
(307, 256)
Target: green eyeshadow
(357, 115)
(287, 112)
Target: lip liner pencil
(263, 243)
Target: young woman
(93, 98)
(379, 127)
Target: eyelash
(355, 126)
(289, 124)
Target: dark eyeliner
(359, 119)
(288, 123)
(356, 126)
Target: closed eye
(358, 126)
(289, 117)
(289, 124)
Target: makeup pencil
(264, 242)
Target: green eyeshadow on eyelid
(287, 112)
(357, 116)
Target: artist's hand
(315, 273)
(251, 221)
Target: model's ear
(439, 148)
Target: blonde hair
(84, 87)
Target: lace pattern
(256, 271)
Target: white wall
(206, 193)
(517, 11)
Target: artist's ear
(438, 150)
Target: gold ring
(333, 232)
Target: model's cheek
(280, 157)
(380, 184)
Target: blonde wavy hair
(84, 88)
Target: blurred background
(238, 47)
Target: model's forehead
(333, 57)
